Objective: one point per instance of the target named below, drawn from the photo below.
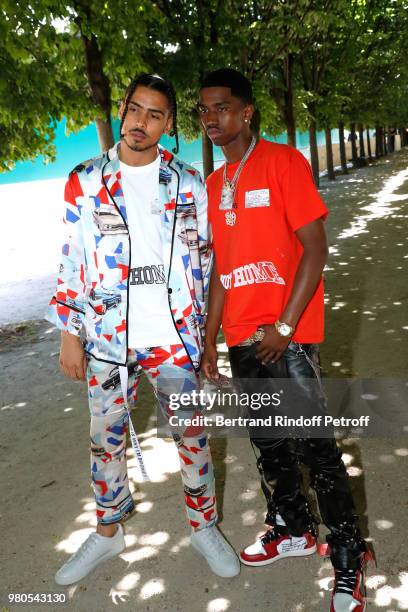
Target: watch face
(284, 329)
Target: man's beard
(138, 147)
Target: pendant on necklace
(227, 197)
(230, 218)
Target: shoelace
(346, 581)
(83, 549)
(216, 540)
(269, 536)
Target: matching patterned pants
(168, 370)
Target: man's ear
(248, 112)
(121, 109)
(169, 125)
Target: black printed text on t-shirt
(147, 275)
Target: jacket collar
(169, 178)
(112, 167)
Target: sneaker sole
(295, 553)
(363, 609)
(108, 555)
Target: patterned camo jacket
(92, 289)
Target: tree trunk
(384, 134)
(391, 140)
(353, 135)
(342, 145)
(401, 132)
(329, 154)
(290, 124)
(362, 159)
(369, 153)
(378, 142)
(105, 134)
(288, 109)
(208, 157)
(314, 153)
(256, 124)
(100, 90)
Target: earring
(246, 120)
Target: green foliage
(43, 68)
(345, 59)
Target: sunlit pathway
(29, 250)
(366, 278)
(47, 509)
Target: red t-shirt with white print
(256, 248)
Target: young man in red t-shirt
(266, 289)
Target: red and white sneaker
(271, 547)
(349, 593)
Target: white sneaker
(219, 555)
(92, 552)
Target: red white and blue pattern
(92, 290)
(168, 369)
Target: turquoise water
(73, 149)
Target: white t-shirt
(149, 322)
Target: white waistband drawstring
(123, 373)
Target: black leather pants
(278, 460)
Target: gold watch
(283, 329)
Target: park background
(321, 70)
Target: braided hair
(164, 86)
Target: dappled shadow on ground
(48, 422)
(365, 287)
(158, 569)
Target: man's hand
(72, 357)
(209, 363)
(272, 346)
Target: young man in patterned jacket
(134, 272)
